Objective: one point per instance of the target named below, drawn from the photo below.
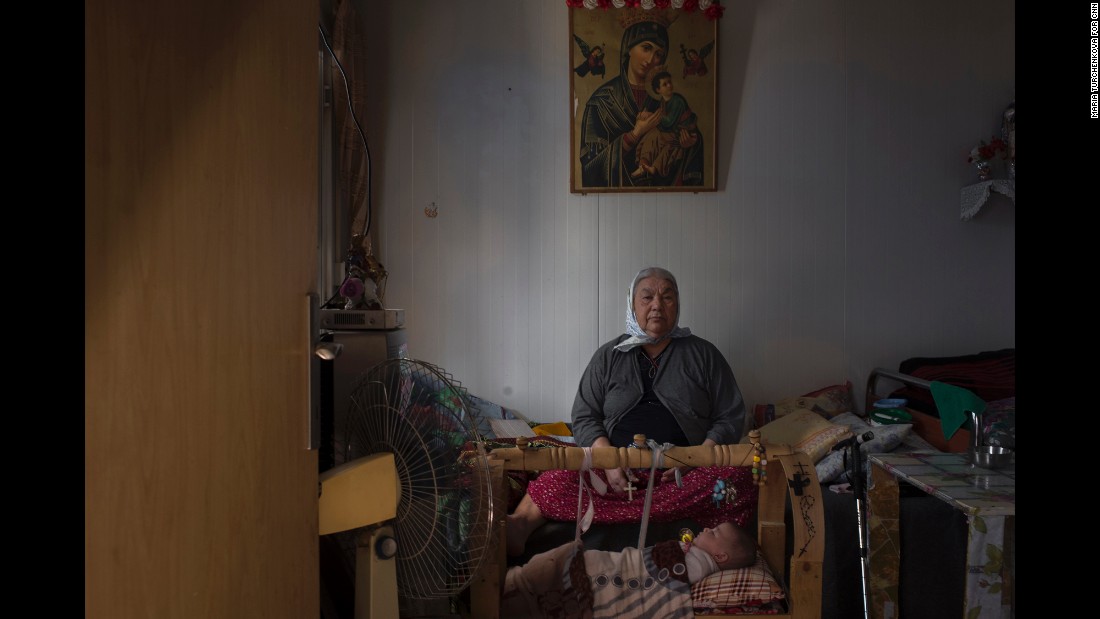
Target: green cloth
(953, 403)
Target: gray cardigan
(694, 381)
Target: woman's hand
(669, 475)
(617, 479)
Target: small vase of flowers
(352, 290)
(982, 154)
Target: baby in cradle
(570, 581)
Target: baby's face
(722, 540)
(664, 87)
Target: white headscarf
(638, 336)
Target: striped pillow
(747, 586)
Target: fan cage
(444, 525)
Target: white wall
(834, 244)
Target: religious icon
(643, 124)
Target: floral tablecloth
(987, 497)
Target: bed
(785, 582)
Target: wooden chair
(790, 476)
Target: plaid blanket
(569, 582)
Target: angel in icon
(695, 59)
(593, 59)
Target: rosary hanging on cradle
(725, 492)
(760, 465)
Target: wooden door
(201, 130)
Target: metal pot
(986, 456)
(991, 456)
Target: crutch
(858, 480)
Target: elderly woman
(661, 381)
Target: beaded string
(760, 465)
(724, 491)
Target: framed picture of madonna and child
(643, 89)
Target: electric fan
(411, 496)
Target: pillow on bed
(747, 586)
(828, 402)
(886, 439)
(805, 431)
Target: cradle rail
(790, 475)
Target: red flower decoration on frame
(986, 152)
(712, 12)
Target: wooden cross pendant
(630, 490)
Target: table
(987, 497)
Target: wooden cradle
(789, 475)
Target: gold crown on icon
(635, 15)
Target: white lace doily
(975, 196)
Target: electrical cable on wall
(360, 263)
(355, 119)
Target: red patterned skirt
(555, 493)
